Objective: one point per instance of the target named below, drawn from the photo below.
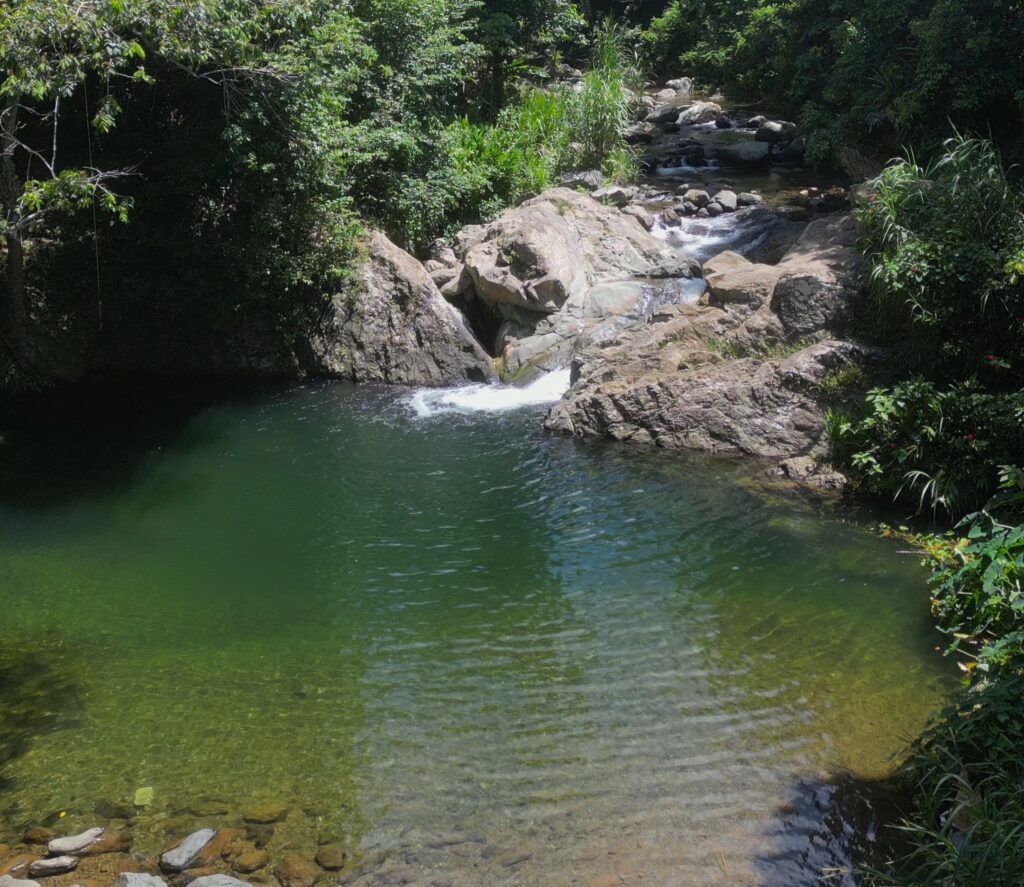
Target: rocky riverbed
(209, 844)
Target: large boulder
(553, 247)
(535, 266)
(700, 112)
(818, 278)
(663, 114)
(759, 407)
(735, 374)
(731, 279)
(393, 325)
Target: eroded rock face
(818, 278)
(754, 406)
(395, 326)
(537, 268)
(734, 374)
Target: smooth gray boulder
(535, 265)
(682, 85)
(697, 197)
(663, 114)
(731, 279)
(178, 858)
(394, 325)
(699, 112)
(818, 278)
(727, 200)
(555, 246)
(73, 844)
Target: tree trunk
(15, 314)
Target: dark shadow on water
(830, 832)
(35, 699)
(92, 438)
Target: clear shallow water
(481, 654)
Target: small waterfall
(549, 388)
(703, 238)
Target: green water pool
(469, 650)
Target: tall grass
(945, 292)
(545, 133)
(945, 246)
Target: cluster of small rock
(208, 857)
(758, 142)
(61, 854)
(697, 202)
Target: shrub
(944, 445)
(967, 828)
(966, 770)
(945, 245)
(478, 169)
(978, 588)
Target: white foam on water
(684, 169)
(704, 238)
(549, 388)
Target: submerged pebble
(57, 865)
(10, 881)
(138, 879)
(75, 843)
(180, 857)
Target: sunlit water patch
(476, 653)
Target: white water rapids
(549, 388)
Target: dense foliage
(967, 769)
(544, 133)
(873, 75)
(945, 246)
(247, 144)
(945, 295)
